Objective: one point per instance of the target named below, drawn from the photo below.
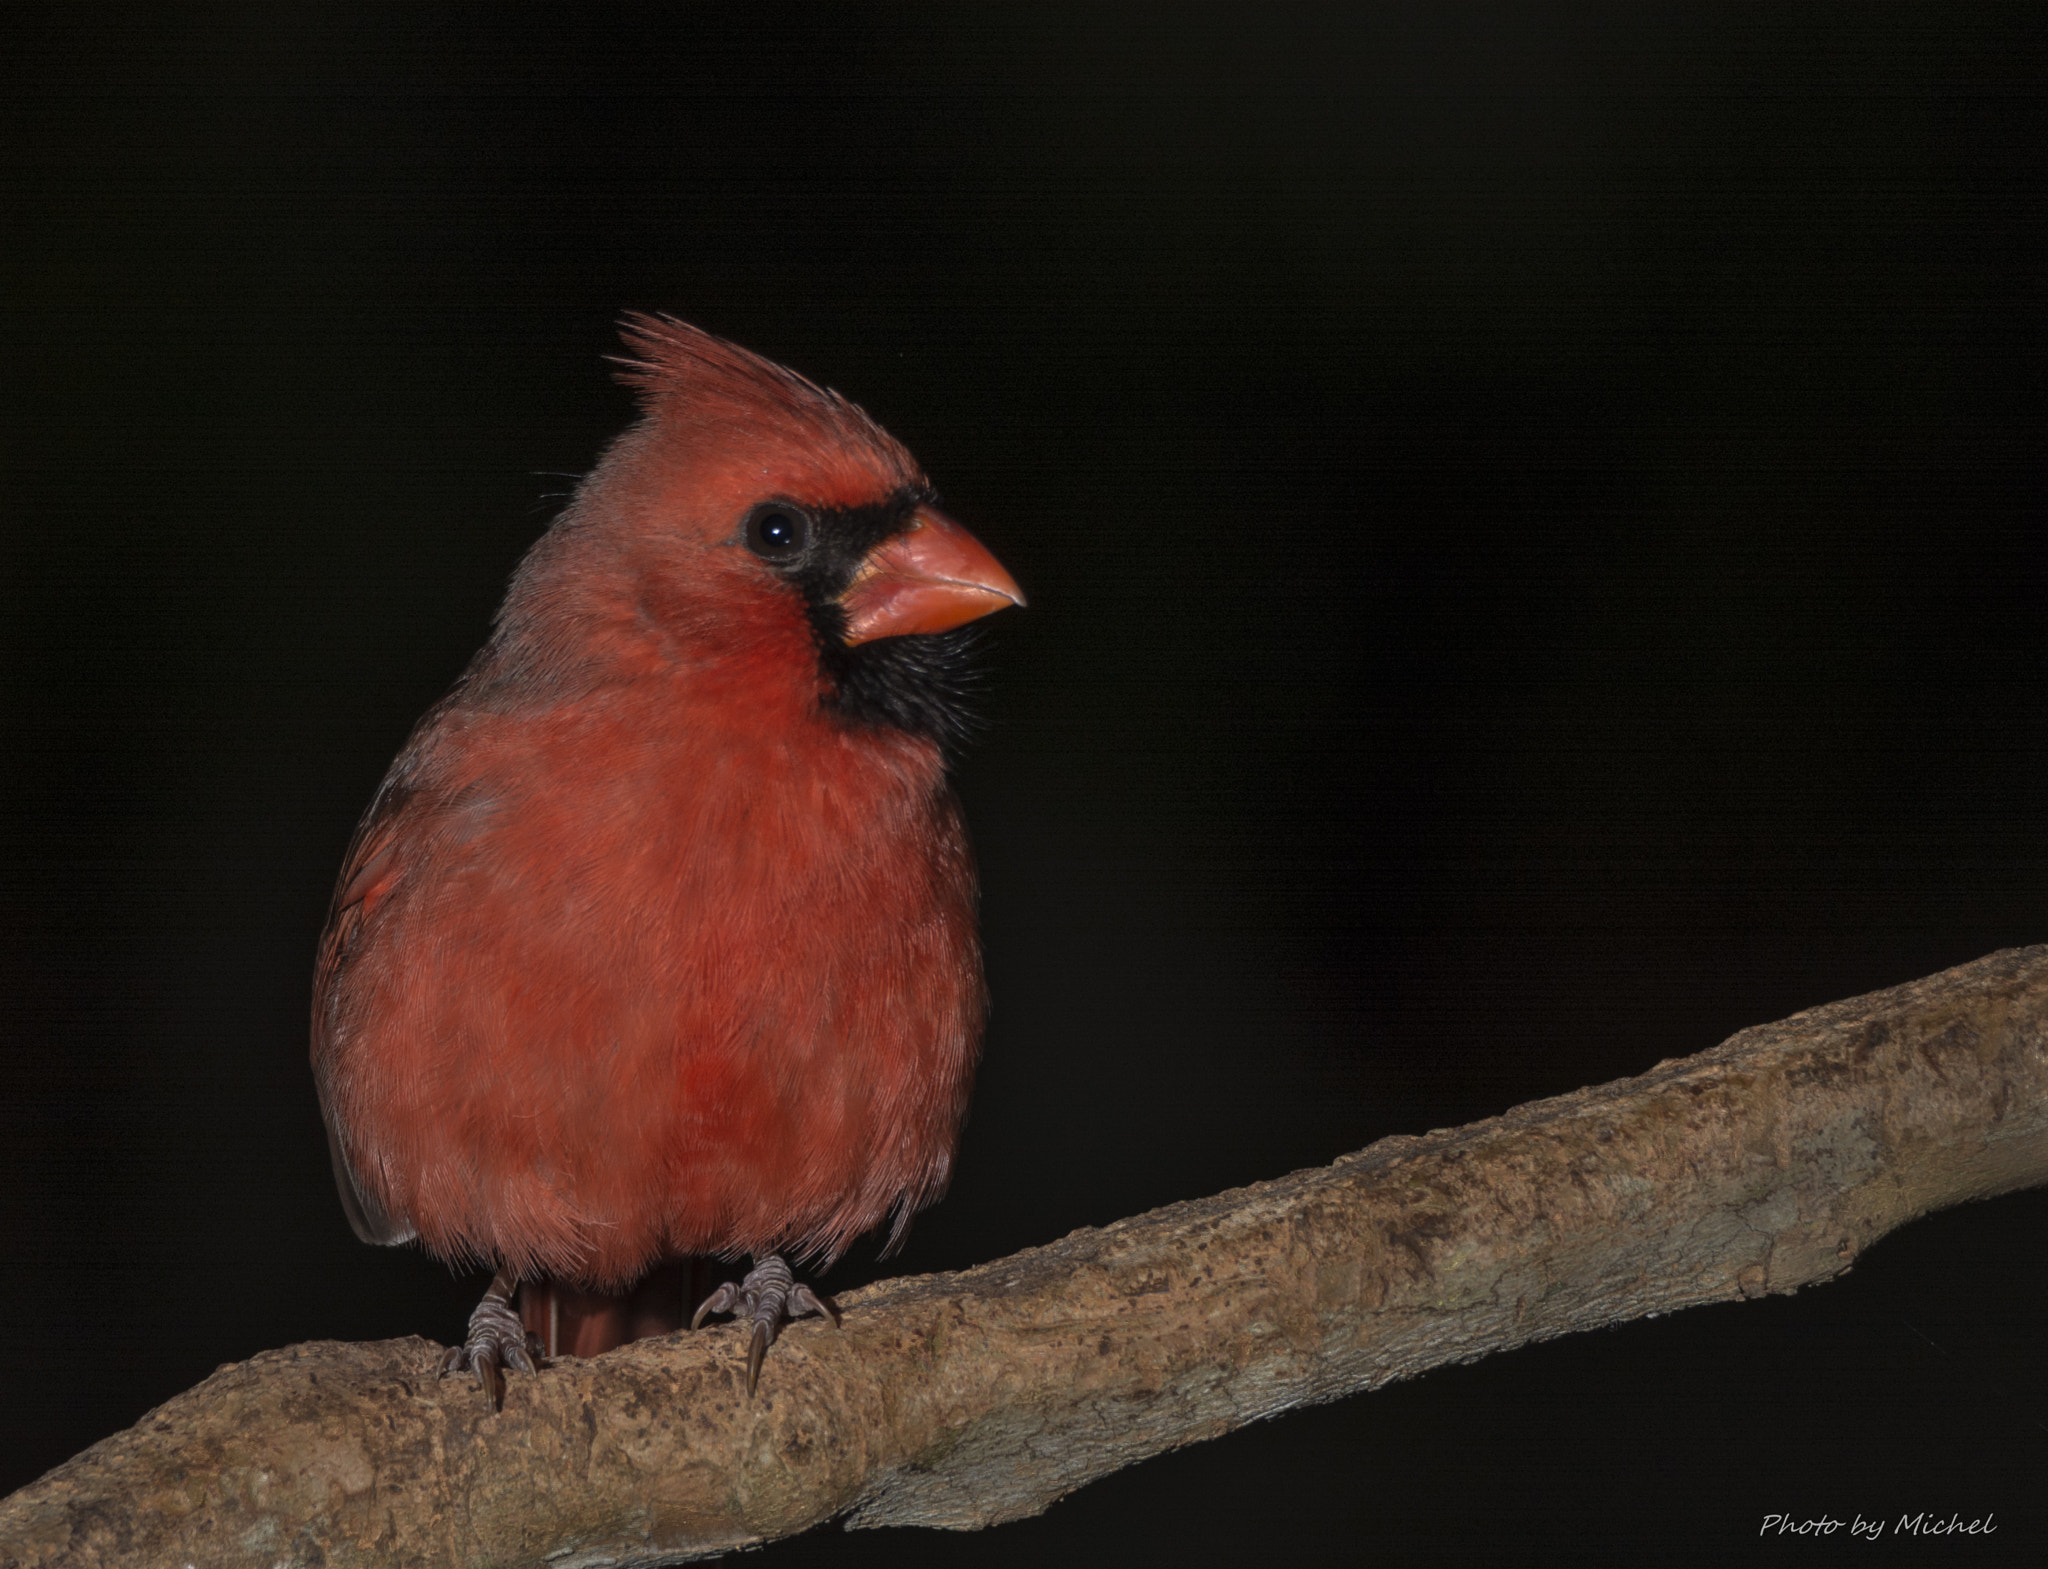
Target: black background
(1532, 518)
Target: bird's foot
(768, 1298)
(497, 1340)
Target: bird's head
(755, 516)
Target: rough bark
(963, 1400)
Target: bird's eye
(778, 532)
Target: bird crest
(685, 375)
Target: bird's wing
(368, 874)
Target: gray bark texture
(964, 1400)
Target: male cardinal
(658, 940)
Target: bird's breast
(661, 981)
(630, 802)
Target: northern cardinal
(658, 940)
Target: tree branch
(963, 1400)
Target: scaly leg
(768, 1298)
(497, 1340)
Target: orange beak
(932, 578)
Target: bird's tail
(573, 1322)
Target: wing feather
(368, 874)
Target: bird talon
(497, 1340)
(808, 1301)
(723, 1300)
(490, 1379)
(769, 1298)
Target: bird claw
(768, 1298)
(497, 1340)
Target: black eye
(778, 532)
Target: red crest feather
(685, 374)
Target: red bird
(659, 939)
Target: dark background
(1533, 525)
